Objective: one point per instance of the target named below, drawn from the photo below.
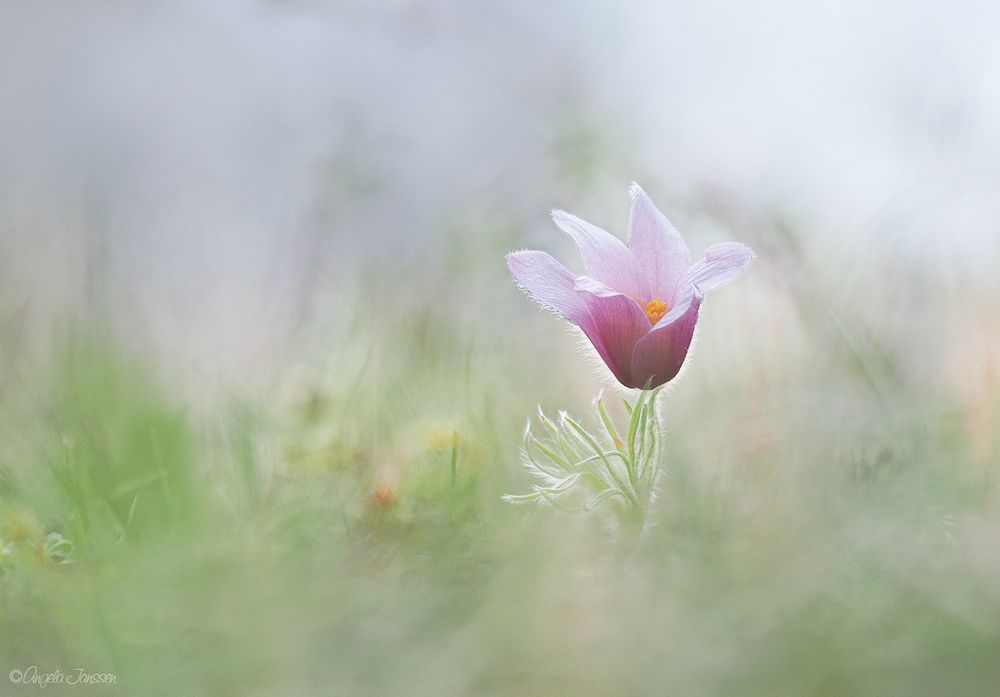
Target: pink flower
(638, 304)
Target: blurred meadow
(264, 374)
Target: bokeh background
(264, 373)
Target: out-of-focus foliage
(827, 523)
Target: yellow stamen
(655, 309)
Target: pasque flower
(638, 304)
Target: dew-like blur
(264, 373)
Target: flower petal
(606, 258)
(548, 282)
(659, 250)
(616, 323)
(723, 262)
(658, 356)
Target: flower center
(655, 309)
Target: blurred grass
(830, 523)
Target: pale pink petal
(548, 282)
(723, 262)
(659, 250)
(659, 355)
(616, 323)
(606, 258)
(594, 287)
